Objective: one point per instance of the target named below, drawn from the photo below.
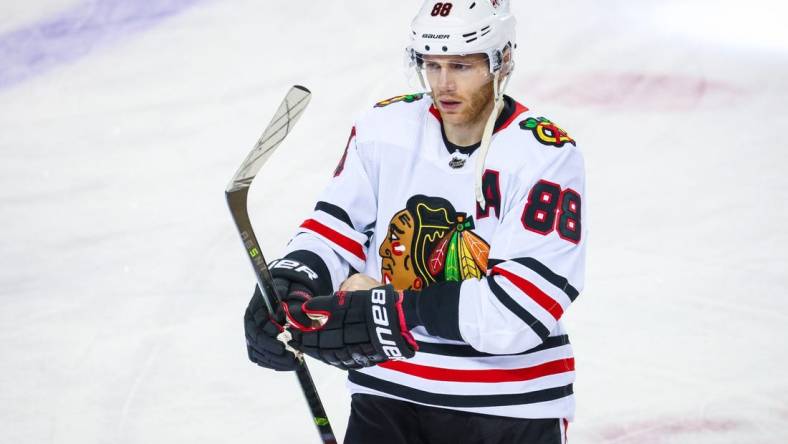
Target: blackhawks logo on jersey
(546, 132)
(430, 242)
(407, 98)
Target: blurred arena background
(123, 284)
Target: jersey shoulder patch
(546, 132)
(391, 123)
(407, 98)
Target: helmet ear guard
(497, 59)
(505, 61)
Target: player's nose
(445, 81)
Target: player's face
(461, 86)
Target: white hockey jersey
(401, 208)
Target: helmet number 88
(441, 9)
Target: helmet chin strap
(484, 147)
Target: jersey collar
(511, 109)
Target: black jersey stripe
(335, 211)
(466, 351)
(493, 262)
(542, 270)
(548, 275)
(517, 309)
(445, 400)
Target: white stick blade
(282, 123)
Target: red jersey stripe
(540, 297)
(355, 248)
(487, 375)
(434, 111)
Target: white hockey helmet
(462, 27)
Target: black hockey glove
(295, 282)
(355, 329)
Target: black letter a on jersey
(492, 195)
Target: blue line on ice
(75, 32)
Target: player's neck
(468, 133)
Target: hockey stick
(236, 193)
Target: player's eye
(432, 66)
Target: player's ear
(506, 68)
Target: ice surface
(123, 283)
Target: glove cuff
(436, 308)
(305, 268)
(410, 308)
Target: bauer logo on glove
(380, 316)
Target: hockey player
(453, 230)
